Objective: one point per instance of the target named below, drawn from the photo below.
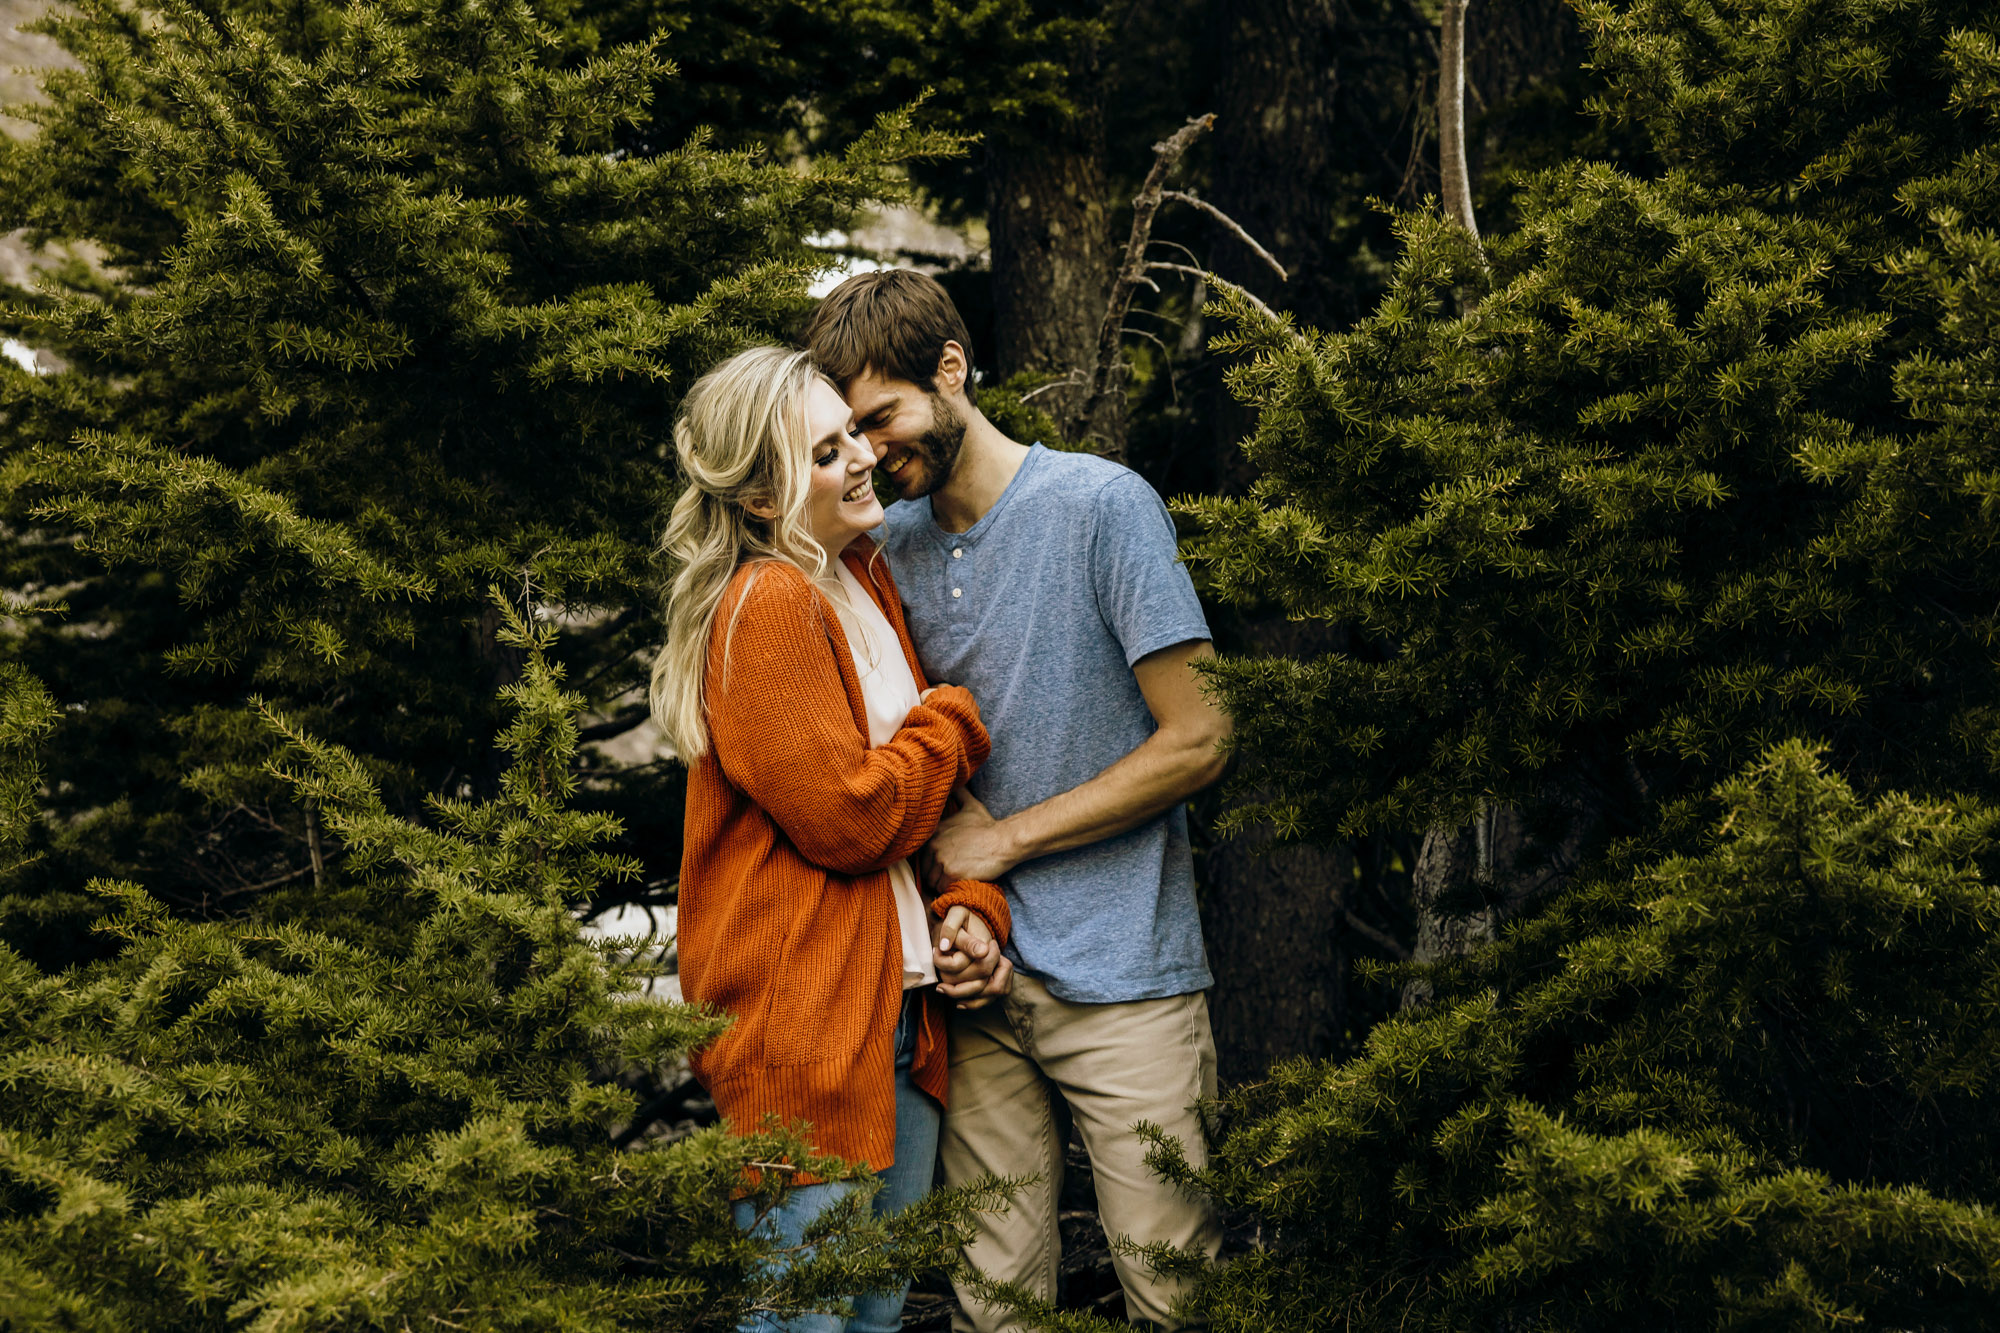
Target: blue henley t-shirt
(1040, 609)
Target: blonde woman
(819, 761)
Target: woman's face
(841, 503)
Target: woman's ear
(761, 507)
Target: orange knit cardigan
(786, 917)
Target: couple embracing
(889, 717)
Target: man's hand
(1183, 755)
(968, 844)
(971, 969)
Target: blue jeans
(902, 1184)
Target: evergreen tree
(1029, 81)
(391, 1118)
(1706, 464)
(390, 317)
(26, 717)
(1687, 463)
(1748, 1087)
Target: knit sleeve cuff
(977, 896)
(955, 702)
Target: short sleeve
(1143, 591)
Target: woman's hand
(971, 969)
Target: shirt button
(957, 551)
(956, 591)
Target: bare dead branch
(1235, 229)
(271, 883)
(1223, 283)
(1173, 388)
(315, 847)
(1071, 380)
(1104, 380)
(620, 722)
(1381, 939)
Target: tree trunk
(1274, 919)
(1046, 215)
(1275, 131)
(1492, 860)
(1471, 878)
(1452, 168)
(1453, 888)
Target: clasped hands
(971, 970)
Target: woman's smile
(841, 503)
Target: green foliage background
(1683, 465)
(393, 1110)
(1666, 518)
(300, 1029)
(1745, 1087)
(395, 319)
(1686, 466)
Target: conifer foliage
(1682, 466)
(1748, 1087)
(297, 1028)
(391, 316)
(395, 1121)
(1668, 519)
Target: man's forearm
(1183, 755)
(1161, 773)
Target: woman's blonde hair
(741, 436)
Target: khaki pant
(1115, 1064)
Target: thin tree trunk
(1046, 215)
(1492, 858)
(1453, 169)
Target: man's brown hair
(894, 322)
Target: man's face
(916, 434)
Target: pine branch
(1225, 284)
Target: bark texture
(1452, 168)
(1274, 923)
(1274, 919)
(1275, 134)
(1470, 878)
(1047, 218)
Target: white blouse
(889, 691)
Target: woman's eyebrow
(830, 440)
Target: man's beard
(937, 450)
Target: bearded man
(1048, 584)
